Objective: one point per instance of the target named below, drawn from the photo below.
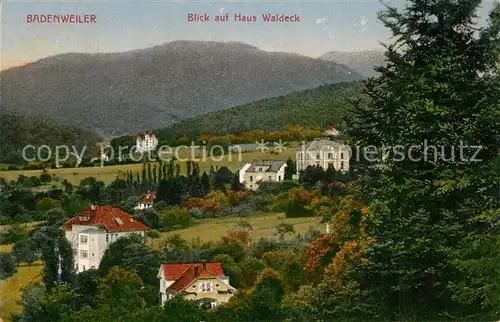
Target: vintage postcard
(199, 160)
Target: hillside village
(287, 221)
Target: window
(317, 156)
(84, 254)
(75, 251)
(93, 267)
(342, 165)
(330, 156)
(84, 239)
(251, 178)
(279, 178)
(92, 254)
(206, 287)
(107, 238)
(342, 156)
(270, 178)
(83, 267)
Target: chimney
(196, 272)
(93, 207)
(204, 265)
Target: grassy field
(11, 288)
(110, 173)
(6, 248)
(262, 226)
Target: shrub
(7, 265)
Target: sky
(324, 26)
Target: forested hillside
(18, 132)
(117, 93)
(316, 107)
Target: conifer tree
(160, 171)
(435, 253)
(149, 174)
(205, 183)
(290, 169)
(144, 178)
(170, 170)
(154, 174)
(188, 168)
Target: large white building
(146, 142)
(92, 231)
(252, 174)
(324, 153)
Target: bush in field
(45, 177)
(46, 204)
(199, 213)
(7, 265)
(175, 218)
(297, 202)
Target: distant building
(324, 153)
(146, 142)
(246, 147)
(204, 283)
(332, 131)
(100, 157)
(147, 201)
(91, 232)
(252, 174)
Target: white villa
(94, 229)
(325, 153)
(251, 174)
(204, 283)
(146, 142)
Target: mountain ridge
(361, 61)
(118, 93)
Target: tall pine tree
(436, 247)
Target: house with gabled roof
(203, 282)
(325, 153)
(145, 142)
(252, 174)
(92, 230)
(146, 201)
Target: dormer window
(119, 221)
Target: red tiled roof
(106, 216)
(184, 274)
(148, 198)
(142, 136)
